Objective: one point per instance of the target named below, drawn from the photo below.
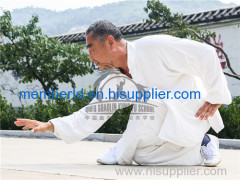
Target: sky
(61, 5)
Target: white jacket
(170, 64)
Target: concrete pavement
(23, 158)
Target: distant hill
(124, 12)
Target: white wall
(10, 87)
(230, 36)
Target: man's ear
(111, 41)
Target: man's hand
(207, 110)
(36, 126)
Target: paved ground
(53, 159)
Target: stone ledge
(102, 137)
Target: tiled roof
(205, 17)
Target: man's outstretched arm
(80, 124)
(70, 129)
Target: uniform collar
(131, 57)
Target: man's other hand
(207, 110)
(36, 126)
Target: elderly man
(177, 134)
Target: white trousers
(140, 143)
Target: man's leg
(206, 140)
(168, 154)
(124, 150)
(140, 142)
(146, 148)
(210, 150)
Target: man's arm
(80, 124)
(201, 60)
(70, 129)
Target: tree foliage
(35, 56)
(174, 25)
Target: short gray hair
(103, 28)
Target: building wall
(10, 87)
(229, 35)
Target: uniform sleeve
(76, 126)
(87, 120)
(201, 60)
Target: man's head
(102, 38)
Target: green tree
(174, 25)
(35, 56)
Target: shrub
(116, 124)
(231, 119)
(7, 113)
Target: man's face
(99, 53)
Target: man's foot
(211, 152)
(109, 158)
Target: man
(177, 135)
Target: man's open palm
(36, 126)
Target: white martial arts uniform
(174, 137)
